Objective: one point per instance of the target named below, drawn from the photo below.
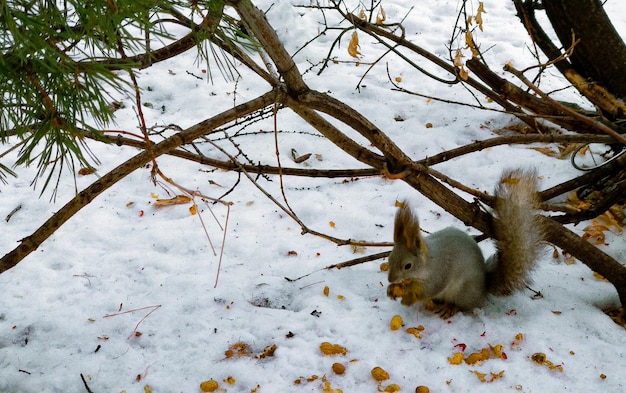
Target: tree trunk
(600, 56)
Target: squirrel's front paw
(410, 291)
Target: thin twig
(292, 215)
(341, 265)
(85, 383)
(8, 217)
(153, 309)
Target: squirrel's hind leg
(443, 309)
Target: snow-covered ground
(124, 292)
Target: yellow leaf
(338, 368)
(362, 14)
(154, 196)
(238, 349)
(332, 224)
(379, 374)
(495, 376)
(497, 350)
(477, 357)
(396, 322)
(193, 209)
(416, 331)
(326, 290)
(392, 388)
(230, 380)
(329, 349)
(209, 386)
(456, 359)
(481, 376)
(353, 46)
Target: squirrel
(447, 269)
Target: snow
(124, 294)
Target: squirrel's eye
(408, 266)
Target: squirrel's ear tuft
(406, 229)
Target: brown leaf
(353, 46)
(177, 200)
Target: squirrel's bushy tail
(518, 232)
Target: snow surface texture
(99, 281)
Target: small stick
(85, 383)
(349, 263)
(154, 308)
(12, 213)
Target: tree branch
(83, 198)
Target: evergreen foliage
(59, 58)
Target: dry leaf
(238, 349)
(209, 386)
(595, 233)
(329, 349)
(299, 159)
(541, 359)
(479, 15)
(267, 352)
(477, 357)
(456, 359)
(381, 16)
(353, 46)
(416, 331)
(396, 322)
(177, 200)
(379, 374)
(338, 368)
(458, 62)
(85, 171)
